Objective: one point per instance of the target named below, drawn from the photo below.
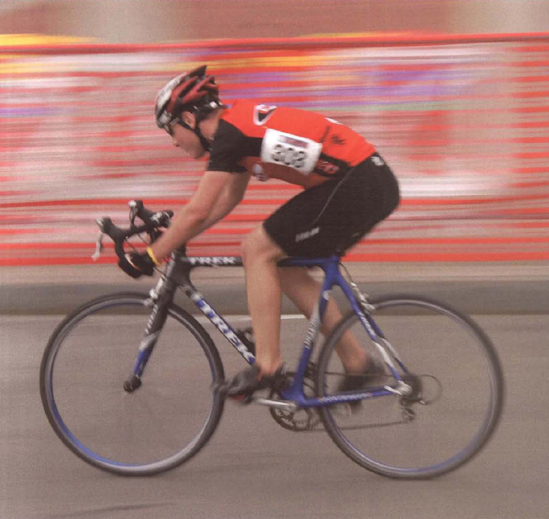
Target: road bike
(126, 379)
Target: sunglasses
(169, 127)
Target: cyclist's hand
(137, 264)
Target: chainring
(301, 420)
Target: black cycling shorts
(333, 216)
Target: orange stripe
(303, 43)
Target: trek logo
(222, 326)
(345, 398)
(212, 261)
(312, 330)
(262, 113)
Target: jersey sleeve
(228, 149)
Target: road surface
(252, 468)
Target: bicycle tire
(424, 439)
(97, 409)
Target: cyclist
(348, 189)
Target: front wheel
(154, 428)
(457, 381)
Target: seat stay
(368, 323)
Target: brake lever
(98, 246)
(134, 210)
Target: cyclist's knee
(258, 246)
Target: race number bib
(290, 150)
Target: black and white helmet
(195, 92)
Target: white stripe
(235, 318)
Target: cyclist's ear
(189, 119)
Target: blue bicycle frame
(178, 275)
(332, 278)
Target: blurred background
(452, 92)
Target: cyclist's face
(187, 140)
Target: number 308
(289, 156)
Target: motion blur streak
(462, 121)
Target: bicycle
(433, 412)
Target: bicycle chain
(301, 420)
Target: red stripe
(530, 64)
(530, 109)
(525, 211)
(482, 240)
(531, 124)
(543, 169)
(470, 201)
(529, 225)
(418, 257)
(166, 203)
(449, 257)
(527, 140)
(532, 155)
(531, 79)
(23, 231)
(91, 202)
(531, 48)
(526, 185)
(40, 262)
(529, 95)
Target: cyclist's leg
(260, 256)
(304, 291)
(333, 217)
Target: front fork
(161, 297)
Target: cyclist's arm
(229, 198)
(217, 194)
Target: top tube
(298, 261)
(236, 261)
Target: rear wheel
(457, 381)
(159, 425)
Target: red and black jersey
(298, 146)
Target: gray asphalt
(252, 468)
(508, 288)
